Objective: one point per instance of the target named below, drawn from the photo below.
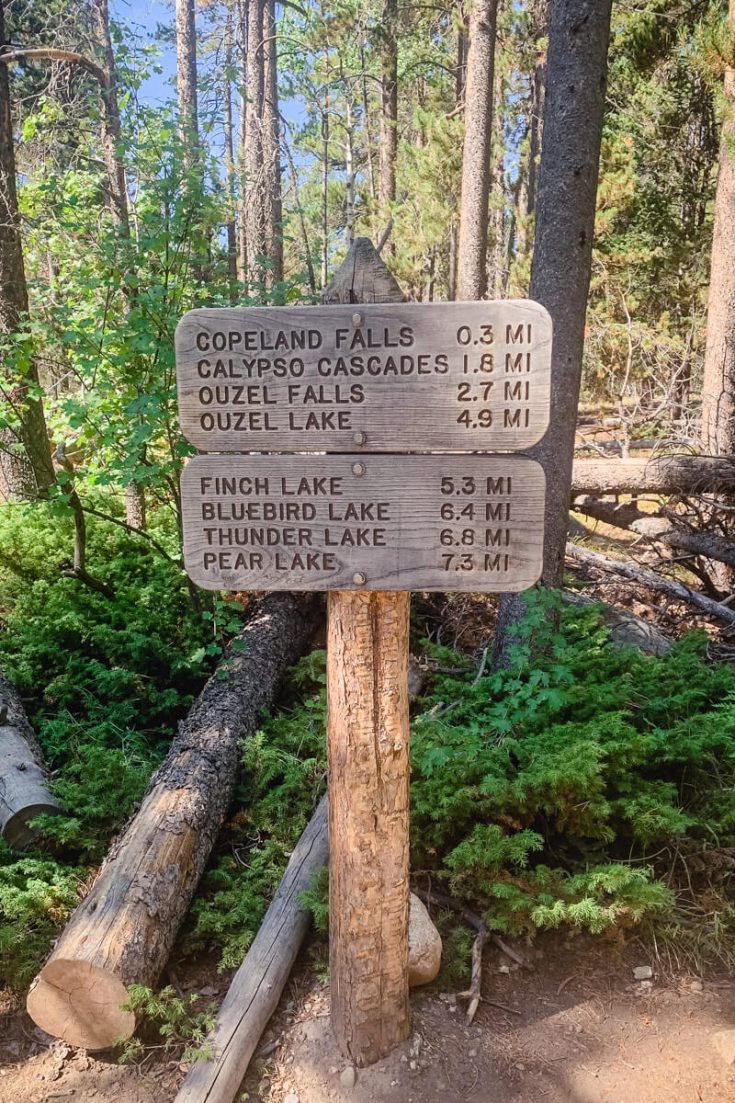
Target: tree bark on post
(26, 470)
(579, 33)
(718, 390)
(478, 99)
(367, 744)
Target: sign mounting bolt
(359, 579)
(357, 320)
(359, 437)
(358, 469)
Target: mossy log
(24, 793)
(123, 931)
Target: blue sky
(143, 16)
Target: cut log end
(17, 831)
(80, 1003)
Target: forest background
(229, 155)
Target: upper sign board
(397, 377)
(363, 523)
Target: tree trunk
(257, 985)
(478, 100)
(229, 138)
(110, 130)
(123, 930)
(26, 470)
(23, 791)
(272, 206)
(683, 475)
(111, 136)
(496, 259)
(579, 32)
(527, 190)
(186, 78)
(388, 52)
(254, 179)
(367, 745)
(242, 149)
(718, 391)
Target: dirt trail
(585, 1032)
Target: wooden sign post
(367, 749)
(339, 387)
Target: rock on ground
(424, 945)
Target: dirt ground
(577, 1029)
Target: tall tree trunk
(473, 211)
(498, 219)
(325, 193)
(529, 175)
(26, 470)
(186, 78)
(242, 146)
(272, 205)
(111, 135)
(110, 130)
(367, 124)
(349, 173)
(254, 180)
(718, 392)
(230, 159)
(579, 33)
(388, 50)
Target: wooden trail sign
(384, 377)
(395, 377)
(377, 522)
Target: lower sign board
(380, 522)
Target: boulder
(424, 945)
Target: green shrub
(532, 788)
(36, 895)
(104, 683)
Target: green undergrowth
(590, 788)
(593, 788)
(104, 682)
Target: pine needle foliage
(542, 795)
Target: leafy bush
(104, 683)
(532, 789)
(284, 772)
(175, 1022)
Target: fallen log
(257, 985)
(123, 930)
(687, 475)
(653, 581)
(24, 792)
(660, 530)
